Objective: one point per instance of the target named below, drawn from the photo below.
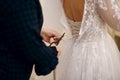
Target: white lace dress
(93, 55)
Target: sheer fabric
(93, 55)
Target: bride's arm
(109, 11)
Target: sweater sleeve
(24, 19)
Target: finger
(56, 39)
(52, 40)
(56, 34)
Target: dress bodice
(75, 27)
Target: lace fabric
(94, 13)
(109, 10)
(93, 55)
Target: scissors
(56, 43)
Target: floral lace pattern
(102, 4)
(92, 22)
(113, 7)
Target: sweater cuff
(44, 69)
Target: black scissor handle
(56, 43)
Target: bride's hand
(49, 35)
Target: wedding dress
(88, 52)
(93, 55)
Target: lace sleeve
(109, 10)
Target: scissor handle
(56, 43)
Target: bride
(88, 52)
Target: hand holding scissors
(56, 43)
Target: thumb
(52, 40)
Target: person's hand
(49, 35)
